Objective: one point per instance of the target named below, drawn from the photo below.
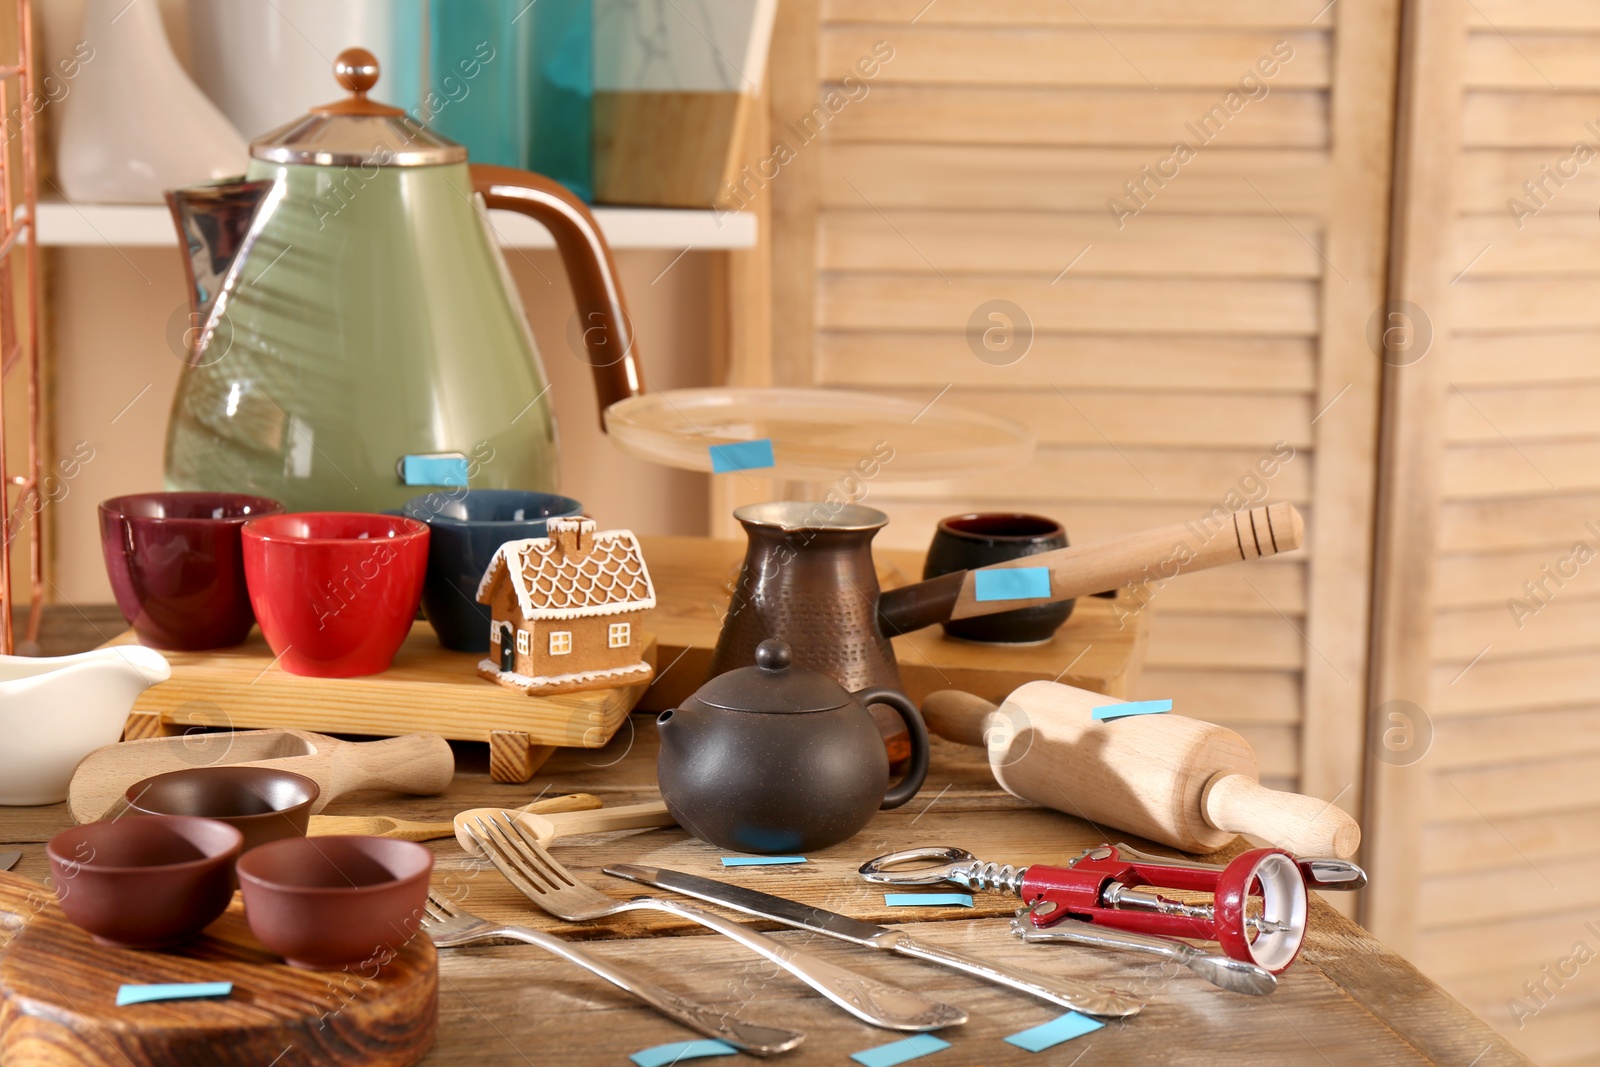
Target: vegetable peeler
(1257, 913)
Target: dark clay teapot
(777, 759)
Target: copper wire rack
(19, 179)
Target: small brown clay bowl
(144, 881)
(262, 803)
(324, 903)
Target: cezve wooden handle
(546, 828)
(1151, 555)
(1180, 781)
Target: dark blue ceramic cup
(466, 527)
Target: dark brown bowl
(144, 881)
(325, 903)
(262, 803)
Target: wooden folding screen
(1198, 313)
(1485, 860)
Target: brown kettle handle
(607, 330)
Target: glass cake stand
(816, 434)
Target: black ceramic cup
(963, 542)
(467, 527)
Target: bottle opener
(1257, 912)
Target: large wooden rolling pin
(1155, 555)
(1180, 781)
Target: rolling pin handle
(1303, 825)
(957, 716)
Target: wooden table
(1347, 1001)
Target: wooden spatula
(416, 763)
(546, 828)
(405, 829)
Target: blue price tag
(759, 861)
(678, 1051)
(1013, 583)
(923, 900)
(143, 994)
(1052, 1033)
(897, 1052)
(434, 470)
(742, 456)
(1107, 712)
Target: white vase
(133, 124)
(265, 64)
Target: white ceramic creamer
(56, 710)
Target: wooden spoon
(406, 830)
(545, 828)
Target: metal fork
(448, 926)
(553, 888)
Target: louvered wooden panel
(1487, 865)
(1046, 178)
(1170, 353)
(1284, 368)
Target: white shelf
(150, 226)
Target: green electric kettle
(355, 338)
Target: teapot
(354, 335)
(776, 759)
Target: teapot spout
(217, 225)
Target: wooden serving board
(58, 993)
(428, 689)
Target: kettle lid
(356, 130)
(772, 685)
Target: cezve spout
(217, 223)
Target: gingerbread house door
(508, 650)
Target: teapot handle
(919, 741)
(607, 329)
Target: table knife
(9, 860)
(1067, 992)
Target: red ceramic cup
(176, 565)
(335, 592)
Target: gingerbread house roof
(554, 579)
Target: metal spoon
(1236, 976)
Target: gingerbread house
(565, 610)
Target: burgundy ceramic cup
(144, 881)
(262, 803)
(324, 903)
(176, 565)
(335, 591)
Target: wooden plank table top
(1348, 1000)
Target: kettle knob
(773, 655)
(357, 70)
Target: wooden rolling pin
(546, 828)
(1180, 781)
(1082, 570)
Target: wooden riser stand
(429, 689)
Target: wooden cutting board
(58, 992)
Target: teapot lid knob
(773, 655)
(357, 70)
